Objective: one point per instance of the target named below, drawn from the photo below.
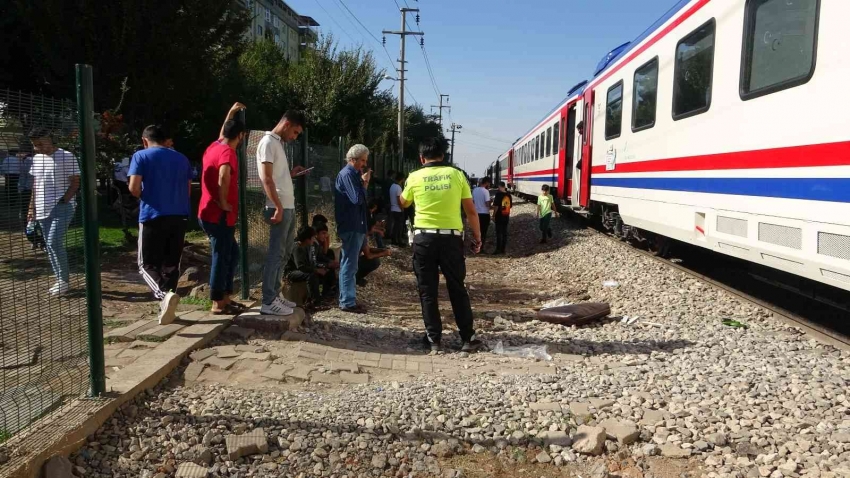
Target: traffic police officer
(438, 190)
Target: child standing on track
(545, 210)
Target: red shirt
(216, 155)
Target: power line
(350, 37)
(484, 136)
(389, 57)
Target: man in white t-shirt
(398, 233)
(481, 198)
(56, 180)
(279, 212)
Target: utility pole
(403, 34)
(454, 129)
(441, 107)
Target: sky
(503, 63)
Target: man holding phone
(279, 213)
(439, 191)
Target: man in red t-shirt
(217, 211)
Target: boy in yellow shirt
(545, 210)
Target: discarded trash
(628, 320)
(654, 324)
(734, 323)
(556, 303)
(576, 314)
(524, 351)
(610, 283)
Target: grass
(205, 303)
(4, 435)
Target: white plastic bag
(610, 283)
(537, 352)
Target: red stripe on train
(816, 155)
(678, 21)
(536, 173)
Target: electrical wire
(350, 37)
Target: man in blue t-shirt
(162, 179)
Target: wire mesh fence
(256, 235)
(314, 193)
(43, 305)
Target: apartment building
(277, 21)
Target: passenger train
(723, 125)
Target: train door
(582, 182)
(568, 147)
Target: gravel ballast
(766, 401)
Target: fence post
(341, 152)
(241, 153)
(91, 235)
(302, 180)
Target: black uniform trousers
(501, 232)
(432, 254)
(484, 221)
(160, 249)
(398, 233)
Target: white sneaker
(59, 289)
(287, 302)
(167, 308)
(276, 308)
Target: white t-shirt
(270, 150)
(481, 196)
(52, 175)
(395, 192)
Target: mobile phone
(303, 172)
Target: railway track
(822, 321)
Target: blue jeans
(54, 229)
(281, 245)
(225, 255)
(352, 242)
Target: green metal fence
(48, 226)
(314, 194)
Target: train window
(614, 111)
(549, 141)
(556, 138)
(780, 42)
(693, 72)
(645, 96)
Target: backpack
(506, 205)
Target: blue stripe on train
(545, 179)
(813, 189)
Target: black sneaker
(428, 345)
(473, 345)
(436, 348)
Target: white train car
(503, 168)
(544, 154)
(724, 126)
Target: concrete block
(252, 443)
(160, 333)
(191, 470)
(199, 355)
(354, 378)
(193, 371)
(226, 351)
(276, 372)
(128, 333)
(317, 377)
(300, 373)
(262, 356)
(219, 363)
(345, 367)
